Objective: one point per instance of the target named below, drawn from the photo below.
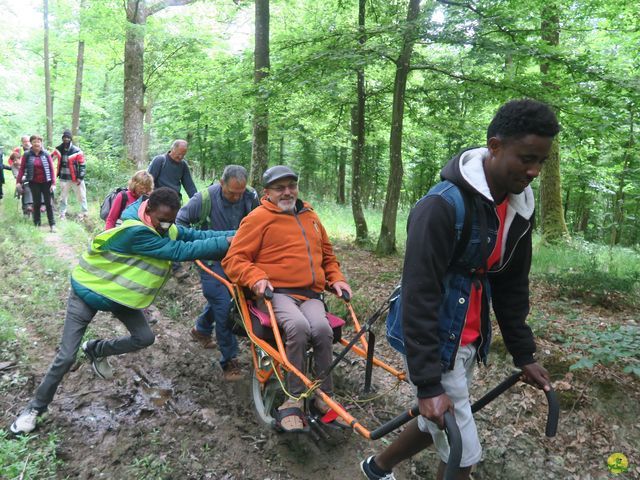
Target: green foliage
(619, 344)
(28, 457)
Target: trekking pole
(553, 413)
(450, 428)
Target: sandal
(327, 415)
(290, 418)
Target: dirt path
(168, 413)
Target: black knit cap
(67, 134)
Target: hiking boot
(232, 372)
(25, 423)
(368, 470)
(206, 341)
(52, 229)
(62, 215)
(152, 315)
(101, 365)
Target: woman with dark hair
(36, 169)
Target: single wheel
(266, 398)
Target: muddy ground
(168, 413)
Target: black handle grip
(451, 428)
(268, 293)
(455, 446)
(553, 415)
(345, 296)
(394, 423)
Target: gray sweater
(166, 172)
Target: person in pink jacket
(140, 184)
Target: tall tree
(47, 77)
(358, 129)
(77, 96)
(260, 144)
(554, 227)
(387, 239)
(137, 13)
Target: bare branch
(159, 6)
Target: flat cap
(276, 173)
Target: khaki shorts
(456, 385)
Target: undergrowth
(28, 457)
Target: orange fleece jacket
(290, 250)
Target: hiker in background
(36, 169)
(4, 167)
(446, 294)
(172, 170)
(71, 170)
(24, 193)
(141, 183)
(220, 206)
(122, 272)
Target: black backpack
(105, 208)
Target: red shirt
(471, 330)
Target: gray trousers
(78, 318)
(304, 322)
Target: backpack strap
(465, 216)
(205, 208)
(123, 200)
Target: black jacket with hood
(430, 248)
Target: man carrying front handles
(446, 292)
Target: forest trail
(168, 413)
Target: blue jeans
(216, 312)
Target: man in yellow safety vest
(122, 272)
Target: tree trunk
(619, 203)
(134, 87)
(148, 120)
(554, 227)
(387, 241)
(47, 78)
(134, 82)
(260, 143)
(77, 95)
(358, 141)
(342, 174)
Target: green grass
(338, 221)
(28, 457)
(595, 274)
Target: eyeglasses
(281, 188)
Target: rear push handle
(450, 428)
(553, 413)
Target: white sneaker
(101, 365)
(25, 423)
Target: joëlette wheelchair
(270, 366)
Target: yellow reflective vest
(126, 278)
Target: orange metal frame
(279, 357)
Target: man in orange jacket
(282, 245)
